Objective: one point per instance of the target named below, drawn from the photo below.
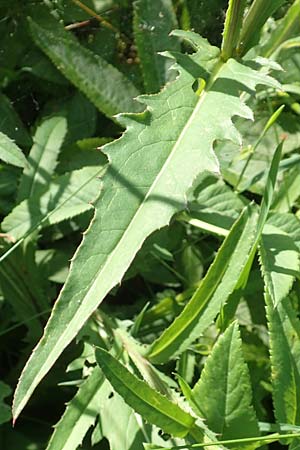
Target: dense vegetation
(149, 242)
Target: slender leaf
(154, 407)
(80, 414)
(285, 29)
(10, 152)
(143, 187)
(256, 17)
(223, 393)
(220, 281)
(42, 158)
(106, 87)
(279, 258)
(152, 24)
(284, 330)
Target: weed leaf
(106, 87)
(279, 258)
(42, 158)
(144, 186)
(153, 406)
(80, 414)
(284, 330)
(223, 393)
(152, 24)
(10, 152)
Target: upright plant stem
(232, 27)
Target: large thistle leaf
(152, 167)
(223, 394)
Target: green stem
(232, 27)
(262, 439)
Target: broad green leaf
(288, 223)
(279, 258)
(284, 328)
(42, 158)
(146, 401)
(106, 87)
(144, 186)
(223, 393)
(10, 152)
(152, 24)
(5, 410)
(10, 123)
(220, 281)
(80, 414)
(65, 197)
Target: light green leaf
(223, 393)
(142, 189)
(284, 328)
(220, 281)
(151, 405)
(10, 152)
(106, 87)
(288, 223)
(42, 158)
(80, 414)
(152, 24)
(279, 258)
(65, 197)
